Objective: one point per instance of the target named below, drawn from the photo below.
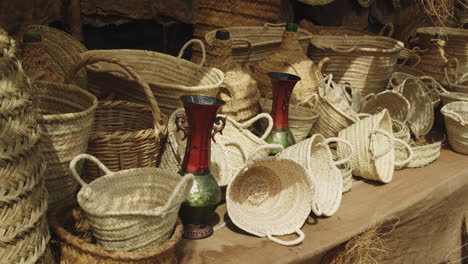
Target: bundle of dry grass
(441, 12)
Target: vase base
(282, 137)
(197, 231)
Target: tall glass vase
(282, 87)
(199, 125)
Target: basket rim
(459, 32)
(396, 47)
(63, 35)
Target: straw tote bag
(169, 77)
(125, 135)
(456, 122)
(314, 154)
(396, 104)
(373, 144)
(270, 197)
(134, 208)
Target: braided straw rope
(134, 208)
(74, 249)
(65, 117)
(315, 155)
(253, 44)
(23, 196)
(125, 134)
(373, 142)
(396, 104)
(366, 62)
(270, 196)
(169, 77)
(423, 154)
(456, 122)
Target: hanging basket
(169, 77)
(131, 209)
(76, 247)
(366, 62)
(456, 122)
(125, 135)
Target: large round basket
(456, 122)
(77, 246)
(366, 62)
(169, 77)
(125, 135)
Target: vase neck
(291, 43)
(222, 55)
(280, 108)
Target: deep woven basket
(125, 135)
(76, 246)
(456, 122)
(366, 62)
(131, 209)
(169, 77)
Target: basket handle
(75, 160)
(455, 60)
(181, 52)
(410, 151)
(288, 243)
(303, 102)
(250, 122)
(390, 138)
(325, 81)
(418, 60)
(390, 27)
(238, 145)
(184, 187)
(160, 128)
(346, 142)
(263, 147)
(436, 85)
(268, 25)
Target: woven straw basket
(401, 131)
(66, 115)
(366, 62)
(341, 31)
(456, 122)
(301, 119)
(335, 114)
(63, 49)
(450, 97)
(125, 135)
(132, 209)
(396, 104)
(373, 142)
(252, 44)
(169, 77)
(270, 197)
(228, 153)
(423, 154)
(76, 245)
(457, 84)
(430, 86)
(315, 155)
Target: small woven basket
(366, 62)
(125, 135)
(270, 197)
(423, 155)
(132, 209)
(456, 122)
(314, 154)
(301, 119)
(396, 104)
(430, 86)
(76, 246)
(169, 77)
(401, 131)
(65, 117)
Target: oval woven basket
(332, 31)
(169, 77)
(76, 245)
(65, 117)
(366, 62)
(125, 135)
(253, 44)
(423, 155)
(456, 122)
(396, 104)
(449, 97)
(430, 86)
(132, 209)
(270, 197)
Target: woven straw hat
(315, 155)
(270, 196)
(456, 122)
(396, 104)
(134, 208)
(373, 142)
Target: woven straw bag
(125, 135)
(457, 84)
(65, 117)
(396, 104)
(456, 122)
(169, 77)
(334, 112)
(270, 197)
(423, 154)
(301, 119)
(253, 44)
(314, 154)
(76, 246)
(366, 62)
(134, 208)
(401, 131)
(373, 143)
(228, 153)
(448, 97)
(63, 49)
(421, 114)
